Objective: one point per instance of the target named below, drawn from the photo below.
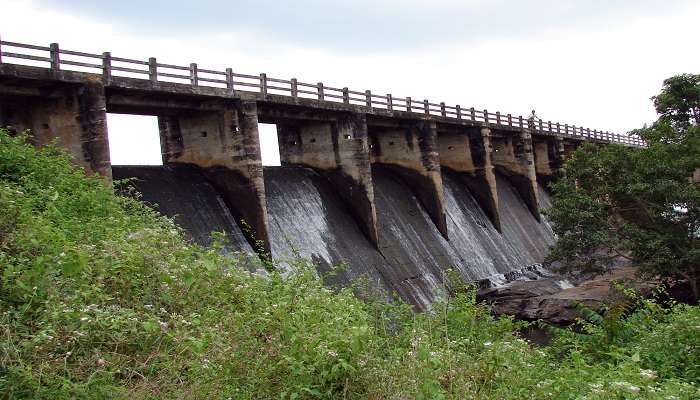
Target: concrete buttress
(513, 157)
(412, 152)
(225, 145)
(467, 153)
(72, 115)
(338, 150)
(549, 158)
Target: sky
(593, 63)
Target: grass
(102, 298)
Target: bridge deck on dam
(398, 190)
(193, 83)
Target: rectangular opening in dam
(134, 140)
(269, 146)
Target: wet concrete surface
(182, 192)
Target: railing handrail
(195, 76)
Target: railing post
(486, 116)
(368, 98)
(229, 79)
(573, 128)
(558, 128)
(520, 121)
(472, 114)
(588, 131)
(566, 129)
(443, 112)
(263, 84)
(295, 88)
(408, 104)
(540, 126)
(459, 111)
(320, 91)
(194, 80)
(346, 95)
(389, 102)
(549, 126)
(0, 49)
(107, 67)
(498, 117)
(54, 55)
(153, 70)
(426, 106)
(510, 120)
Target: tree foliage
(639, 204)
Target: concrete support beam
(339, 150)
(412, 152)
(513, 157)
(74, 116)
(468, 154)
(225, 145)
(549, 158)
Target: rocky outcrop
(550, 300)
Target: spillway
(182, 192)
(419, 255)
(484, 252)
(307, 218)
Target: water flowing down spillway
(484, 252)
(419, 255)
(408, 239)
(307, 217)
(182, 192)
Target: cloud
(586, 70)
(360, 26)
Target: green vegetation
(100, 297)
(638, 204)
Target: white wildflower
(648, 374)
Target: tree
(638, 204)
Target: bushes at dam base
(101, 297)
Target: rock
(550, 300)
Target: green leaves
(618, 203)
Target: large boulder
(555, 300)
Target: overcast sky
(591, 63)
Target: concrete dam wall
(307, 217)
(398, 191)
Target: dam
(395, 191)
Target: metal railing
(110, 66)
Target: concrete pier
(467, 152)
(513, 157)
(339, 150)
(74, 116)
(412, 152)
(225, 144)
(549, 156)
